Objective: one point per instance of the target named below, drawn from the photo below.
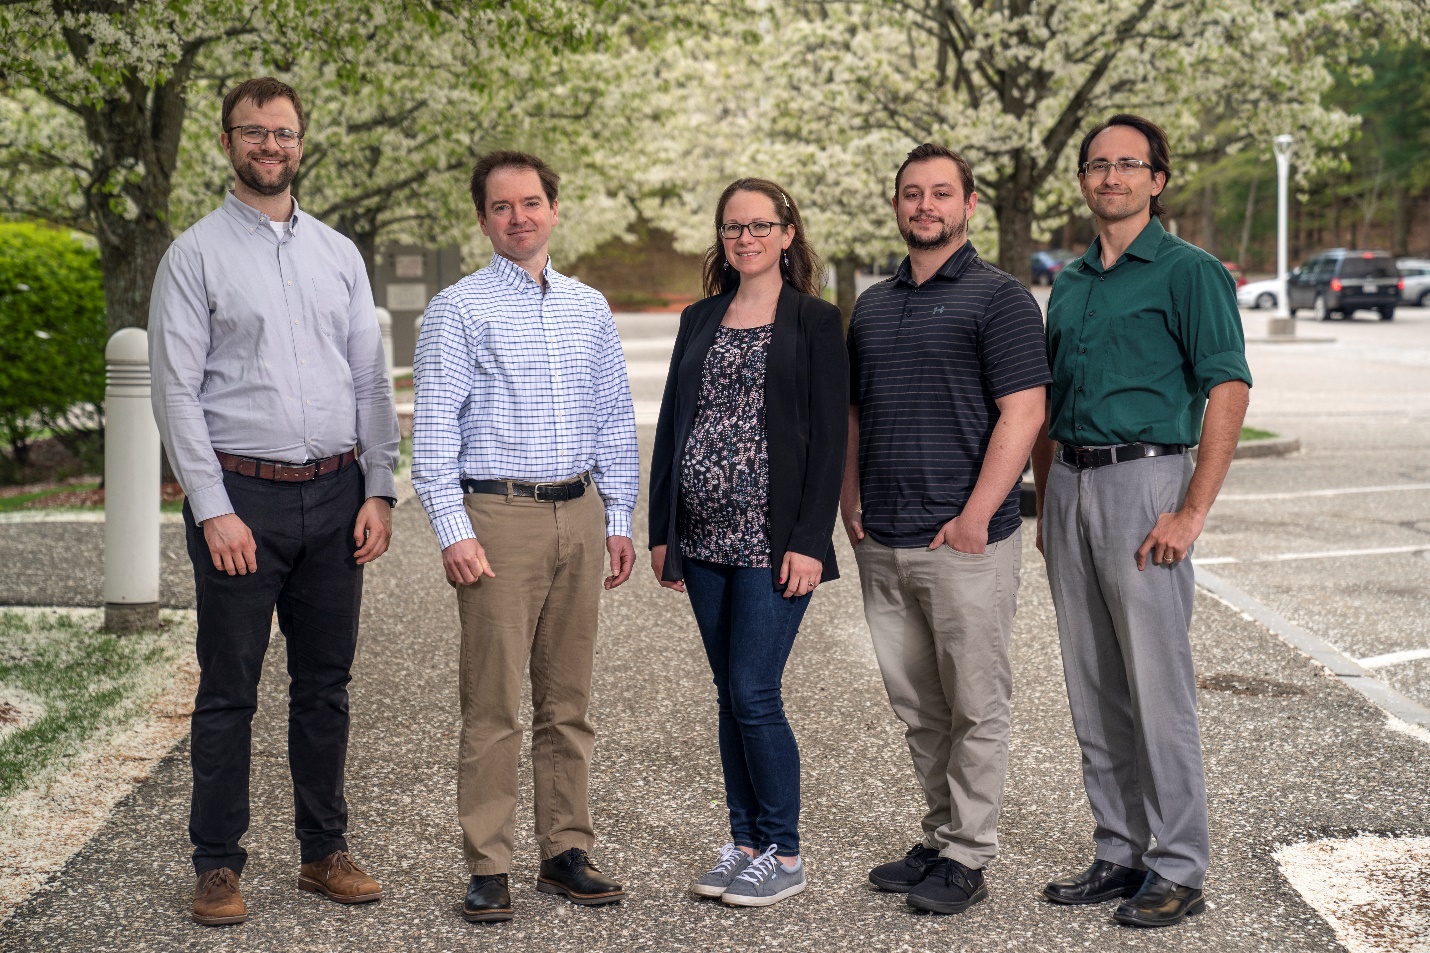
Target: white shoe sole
(706, 890)
(739, 900)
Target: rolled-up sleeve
(442, 374)
(377, 432)
(179, 329)
(617, 471)
(1210, 327)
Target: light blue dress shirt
(516, 383)
(267, 346)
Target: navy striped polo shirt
(926, 364)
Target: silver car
(1416, 274)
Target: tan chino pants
(537, 615)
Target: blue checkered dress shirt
(516, 384)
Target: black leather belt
(1087, 458)
(540, 492)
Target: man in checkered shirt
(524, 455)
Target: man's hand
(963, 535)
(1170, 538)
(853, 525)
(231, 544)
(373, 531)
(623, 559)
(465, 562)
(657, 566)
(800, 574)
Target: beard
(948, 233)
(248, 173)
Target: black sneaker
(572, 875)
(901, 876)
(949, 887)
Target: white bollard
(384, 323)
(131, 487)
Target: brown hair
(1158, 151)
(804, 270)
(262, 91)
(509, 159)
(930, 150)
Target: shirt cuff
(209, 502)
(1217, 369)
(380, 482)
(618, 521)
(453, 528)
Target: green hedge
(52, 335)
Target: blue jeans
(748, 628)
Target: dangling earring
(786, 259)
(726, 266)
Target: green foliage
(52, 335)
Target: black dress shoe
(1103, 881)
(1160, 903)
(488, 900)
(901, 876)
(572, 875)
(949, 887)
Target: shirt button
(302, 362)
(1079, 390)
(1082, 350)
(1079, 426)
(1091, 313)
(290, 283)
(295, 322)
(307, 401)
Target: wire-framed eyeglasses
(1099, 167)
(258, 135)
(757, 229)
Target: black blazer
(806, 420)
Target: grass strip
(89, 682)
(1251, 433)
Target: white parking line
(1369, 888)
(1394, 658)
(1321, 554)
(1341, 491)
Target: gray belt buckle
(536, 492)
(1086, 457)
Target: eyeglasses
(1099, 167)
(757, 229)
(258, 135)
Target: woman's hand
(800, 574)
(657, 566)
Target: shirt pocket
(330, 303)
(1139, 346)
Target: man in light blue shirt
(272, 398)
(524, 455)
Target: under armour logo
(938, 310)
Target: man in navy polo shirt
(948, 366)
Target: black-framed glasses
(757, 229)
(258, 135)
(1099, 167)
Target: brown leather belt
(284, 472)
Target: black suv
(1338, 282)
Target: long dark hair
(804, 271)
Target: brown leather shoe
(217, 901)
(338, 878)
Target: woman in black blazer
(749, 456)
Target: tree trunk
(1210, 241)
(845, 289)
(1014, 208)
(129, 256)
(1399, 220)
(1246, 223)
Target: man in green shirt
(1148, 359)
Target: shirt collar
(518, 276)
(956, 264)
(251, 217)
(1143, 247)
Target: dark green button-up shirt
(1136, 348)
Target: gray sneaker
(764, 882)
(717, 879)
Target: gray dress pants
(1128, 662)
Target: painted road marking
(1370, 889)
(1341, 491)
(1394, 658)
(1320, 554)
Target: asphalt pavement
(1292, 754)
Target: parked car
(1047, 264)
(1338, 282)
(1258, 294)
(1236, 274)
(1415, 272)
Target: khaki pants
(538, 614)
(941, 622)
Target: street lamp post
(1283, 323)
